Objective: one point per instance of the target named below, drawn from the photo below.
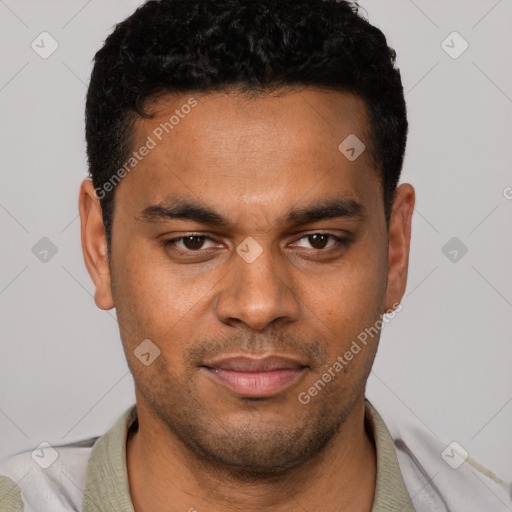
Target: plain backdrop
(444, 361)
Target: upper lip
(255, 364)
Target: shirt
(415, 472)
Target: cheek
(156, 290)
(352, 289)
(347, 301)
(166, 304)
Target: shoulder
(443, 476)
(45, 478)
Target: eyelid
(339, 241)
(172, 241)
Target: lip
(256, 376)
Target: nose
(258, 293)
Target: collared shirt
(91, 475)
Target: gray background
(444, 361)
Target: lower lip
(257, 384)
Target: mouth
(256, 377)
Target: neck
(162, 471)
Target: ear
(94, 244)
(399, 236)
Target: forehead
(266, 151)
(305, 120)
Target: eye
(189, 243)
(194, 244)
(318, 241)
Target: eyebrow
(179, 208)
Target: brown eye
(188, 245)
(318, 240)
(193, 243)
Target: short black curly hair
(183, 46)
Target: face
(252, 253)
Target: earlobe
(94, 244)
(399, 244)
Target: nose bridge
(258, 290)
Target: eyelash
(169, 244)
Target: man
(244, 219)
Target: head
(244, 159)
